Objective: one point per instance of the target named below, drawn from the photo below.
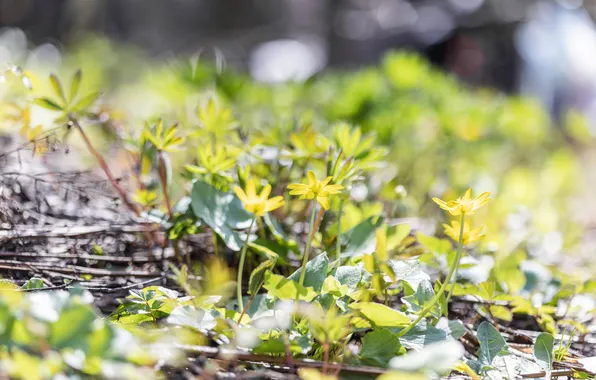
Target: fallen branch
(73, 256)
(213, 352)
(73, 269)
(18, 232)
(103, 289)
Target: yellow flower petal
(324, 202)
(274, 203)
(296, 186)
(251, 191)
(333, 189)
(326, 181)
(265, 192)
(240, 193)
(299, 191)
(315, 189)
(312, 179)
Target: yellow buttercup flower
(321, 190)
(258, 204)
(469, 236)
(464, 205)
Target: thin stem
(446, 283)
(325, 357)
(245, 309)
(338, 234)
(319, 219)
(261, 228)
(241, 266)
(164, 182)
(311, 234)
(214, 242)
(164, 185)
(458, 255)
(104, 167)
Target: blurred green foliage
(394, 136)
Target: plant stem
(319, 219)
(241, 266)
(261, 228)
(214, 242)
(104, 167)
(311, 234)
(458, 255)
(325, 357)
(338, 234)
(245, 309)
(446, 283)
(164, 184)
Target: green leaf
(418, 300)
(508, 273)
(501, 312)
(316, 272)
(378, 347)
(47, 104)
(361, 239)
(188, 316)
(332, 286)
(57, 87)
(491, 344)
(100, 339)
(437, 357)
(74, 86)
(381, 315)
(433, 244)
(543, 351)
(286, 289)
(223, 212)
(264, 250)
(34, 283)
(73, 326)
(422, 335)
(399, 375)
(85, 102)
(350, 276)
(270, 346)
(409, 271)
(258, 276)
(397, 234)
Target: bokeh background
(544, 48)
(499, 95)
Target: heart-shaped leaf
(223, 212)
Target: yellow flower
(163, 140)
(469, 236)
(258, 204)
(216, 119)
(316, 189)
(34, 136)
(146, 198)
(464, 205)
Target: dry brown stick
(18, 232)
(95, 289)
(213, 352)
(473, 300)
(75, 269)
(114, 259)
(555, 373)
